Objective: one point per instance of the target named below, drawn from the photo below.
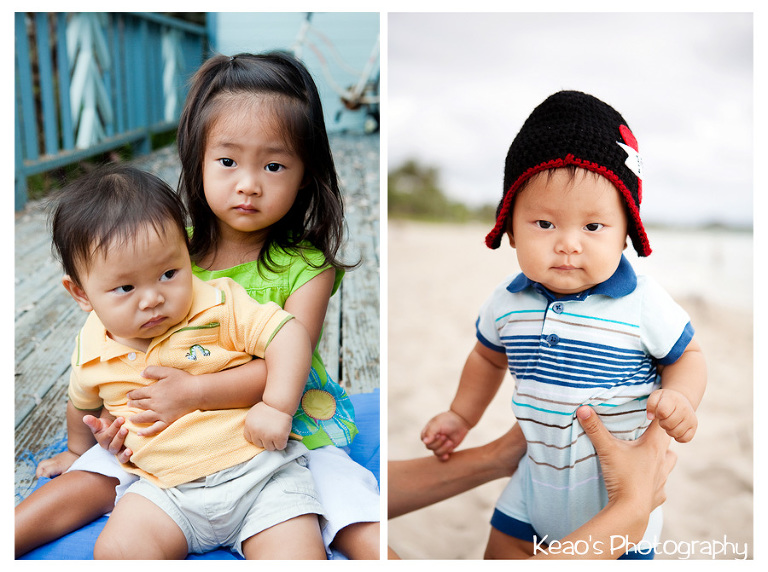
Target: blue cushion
(365, 449)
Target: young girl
(261, 187)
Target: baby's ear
(77, 293)
(511, 238)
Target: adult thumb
(593, 427)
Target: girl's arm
(176, 392)
(309, 303)
(269, 422)
(288, 357)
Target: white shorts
(348, 491)
(99, 460)
(228, 507)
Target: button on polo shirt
(553, 339)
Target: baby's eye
(123, 289)
(545, 224)
(594, 226)
(227, 162)
(168, 275)
(274, 167)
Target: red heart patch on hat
(628, 137)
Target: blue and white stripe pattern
(599, 348)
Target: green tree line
(413, 192)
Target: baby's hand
(268, 427)
(174, 394)
(56, 465)
(443, 433)
(674, 412)
(110, 436)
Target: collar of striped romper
(622, 283)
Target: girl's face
(251, 174)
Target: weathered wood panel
(360, 295)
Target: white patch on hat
(634, 162)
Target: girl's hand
(674, 412)
(110, 436)
(443, 433)
(268, 427)
(174, 394)
(56, 465)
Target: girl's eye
(274, 167)
(545, 224)
(226, 162)
(168, 275)
(594, 226)
(123, 289)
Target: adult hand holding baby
(635, 473)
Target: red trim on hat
(493, 239)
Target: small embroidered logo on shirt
(195, 350)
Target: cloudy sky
(461, 85)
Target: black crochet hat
(574, 128)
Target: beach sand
(439, 275)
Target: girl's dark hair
(109, 204)
(317, 215)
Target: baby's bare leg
(295, 539)
(503, 546)
(359, 541)
(60, 506)
(138, 529)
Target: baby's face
(142, 288)
(569, 234)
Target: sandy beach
(439, 275)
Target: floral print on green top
(326, 415)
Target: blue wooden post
(105, 91)
(24, 80)
(25, 112)
(67, 130)
(50, 119)
(140, 101)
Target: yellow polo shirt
(225, 328)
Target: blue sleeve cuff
(677, 350)
(486, 343)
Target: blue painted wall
(352, 35)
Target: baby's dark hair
(317, 215)
(109, 204)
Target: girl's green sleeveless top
(326, 415)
